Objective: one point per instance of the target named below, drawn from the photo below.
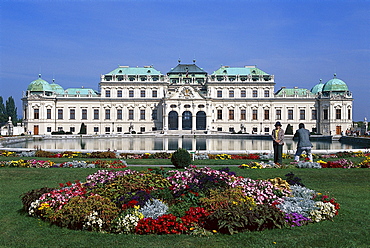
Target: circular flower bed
(198, 201)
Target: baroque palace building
(186, 99)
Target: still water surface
(172, 143)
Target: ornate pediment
(186, 92)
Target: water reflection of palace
(171, 143)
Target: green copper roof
(57, 88)
(292, 92)
(317, 88)
(39, 85)
(247, 70)
(335, 84)
(126, 70)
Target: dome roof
(317, 88)
(335, 84)
(39, 85)
(57, 88)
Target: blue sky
(300, 42)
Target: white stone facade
(185, 100)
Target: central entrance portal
(186, 120)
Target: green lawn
(349, 229)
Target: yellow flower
(191, 228)
(214, 231)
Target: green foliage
(108, 154)
(219, 198)
(97, 211)
(3, 117)
(45, 154)
(82, 129)
(181, 158)
(11, 109)
(33, 195)
(289, 129)
(239, 217)
(183, 203)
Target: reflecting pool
(172, 143)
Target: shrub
(219, 198)
(45, 154)
(235, 218)
(181, 158)
(91, 213)
(33, 195)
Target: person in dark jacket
(278, 142)
(304, 143)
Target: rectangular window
(130, 93)
(231, 93)
(96, 129)
(48, 129)
(243, 93)
(254, 130)
(48, 114)
(72, 129)
(142, 114)
(154, 114)
(219, 114)
(231, 130)
(254, 114)
(302, 114)
(325, 114)
(72, 114)
(231, 114)
(290, 114)
(36, 114)
(154, 93)
(119, 129)
(267, 114)
(107, 129)
(142, 129)
(278, 114)
(84, 114)
(130, 114)
(314, 114)
(60, 128)
(107, 114)
(243, 114)
(349, 114)
(267, 130)
(267, 93)
(119, 93)
(96, 114)
(219, 93)
(142, 93)
(107, 93)
(254, 93)
(119, 114)
(219, 129)
(60, 114)
(338, 114)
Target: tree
(11, 110)
(289, 129)
(3, 118)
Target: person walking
(304, 143)
(278, 142)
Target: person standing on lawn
(304, 143)
(278, 142)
